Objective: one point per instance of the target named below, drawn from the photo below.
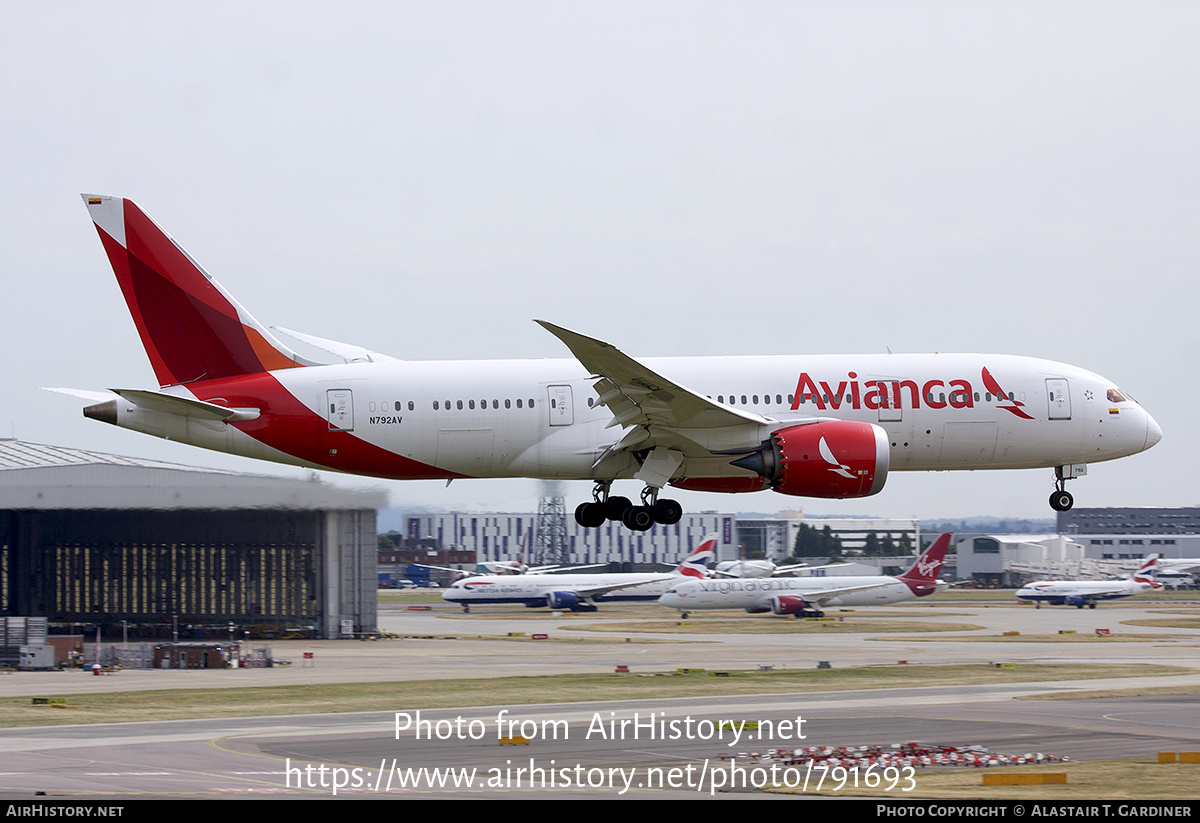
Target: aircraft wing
(637, 395)
(599, 591)
(561, 569)
(800, 567)
(660, 414)
(1116, 591)
(1178, 564)
(820, 597)
(463, 572)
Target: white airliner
(579, 592)
(762, 568)
(828, 426)
(1080, 593)
(810, 595)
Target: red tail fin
(923, 575)
(191, 328)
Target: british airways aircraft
(1080, 593)
(580, 592)
(829, 426)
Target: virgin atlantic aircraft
(827, 426)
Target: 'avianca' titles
(829, 426)
(885, 394)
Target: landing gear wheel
(1061, 501)
(591, 515)
(667, 512)
(616, 507)
(638, 518)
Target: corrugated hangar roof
(38, 476)
(17, 454)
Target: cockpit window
(1114, 396)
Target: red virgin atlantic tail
(922, 578)
(191, 328)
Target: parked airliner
(828, 426)
(580, 592)
(810, 595)
(762, 568)
(1080, 593)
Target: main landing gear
(1061, 500)
(637, 518)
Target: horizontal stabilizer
(83, 394)
(184, 407)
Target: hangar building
(97, 539)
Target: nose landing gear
(1061, 500)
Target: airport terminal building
(90, 539)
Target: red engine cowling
(837, 458)
(787, 604)
(732, 485)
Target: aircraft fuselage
(533, 418)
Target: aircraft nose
(1153, 432)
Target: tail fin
(701, 559)
(191, 328)
(1148, 572)
(923, 575)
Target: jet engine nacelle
(787, 604)
(833, 459)
(1077, 602)
(568, 600)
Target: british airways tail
(922, 578)
(191, 328)
(1147, 573)
(701, 559)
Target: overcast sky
(676, 178)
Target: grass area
(405, 597)
(1046, 638)
(181, 704)
(1097, 694)
(770, 624)
(1111, 780)
(1009, 597)
(1165, 622)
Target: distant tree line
(811, 542)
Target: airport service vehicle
(579, 592)
(831, 426)
(810, 595)
(1080, 593)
